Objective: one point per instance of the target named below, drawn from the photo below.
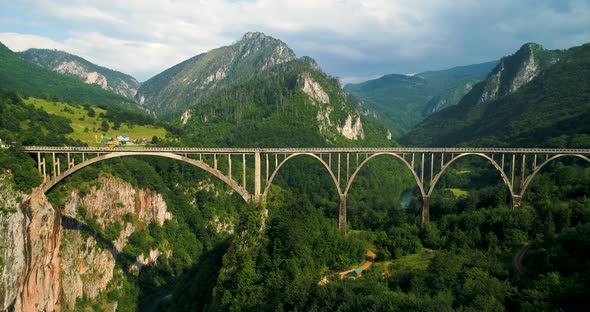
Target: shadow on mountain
(69, 223)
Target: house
(108, 141)
(123, 138)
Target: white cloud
(21, 42)
(351, 38)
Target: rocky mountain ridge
(294, 97)
(66, 63)
(533, 97)
(191, 80)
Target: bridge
(516, 166)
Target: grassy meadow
(88, 129)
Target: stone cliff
(31, 236)
(47, 263)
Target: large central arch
(197, 163)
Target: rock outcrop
(515, 71)
(31, 236)
(65, 63)
(88, 263)
(46, 262)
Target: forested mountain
(290, 104)
(406, 100)
(18, 75)
(66, 63)
(534, 97)
(187, 82)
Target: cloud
(21, 42)
(349, 38)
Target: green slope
(18, 75)
(87, 129)
(552, 109)
(272, 109)
(406, 100)
(67, 63)
(187, 82)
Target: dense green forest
(18, 75)
(271, 110)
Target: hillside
(187, 82)
(88, 127)
(66, 63)
(526, 101)
(291, 104)
(18, 75)
(406, 100)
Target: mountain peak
(185, 83)
(253, 35)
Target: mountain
(534, 97)
(185, 83)
(290, 104)
(28, 79)
(65, 63)
(406, 100)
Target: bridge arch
(233, 184)
(362, 164)
(275, 172)
(488, 158)
(537, 169)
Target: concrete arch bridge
(259, 166)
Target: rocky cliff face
(12, 243)
(349, 129)
(46, 262)
(31, 236)
(191, 80)
(88, 262)
(516, 70)
(88, 72)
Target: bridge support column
(425, 216)
(257, 181)
(342, 214)
(516, 201)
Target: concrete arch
(494, 163)
(301, 154)
(408, 165)
(528, 180)
(234, 185)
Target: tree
(91, 112)
(104, 126)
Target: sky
(354, 40)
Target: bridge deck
(199, 150)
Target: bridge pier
(342, 214)
(425, 215)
